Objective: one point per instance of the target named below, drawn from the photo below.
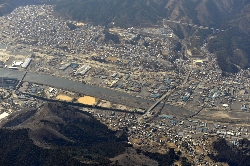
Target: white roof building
(26, 63)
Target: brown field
(64, 98)
(88, 100)
(110, 58)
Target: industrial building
(7, 82)
(83, 70)
(16, 64)
(65, 66)
(26, 63)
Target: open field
(64, 98)
(88, 100)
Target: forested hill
(131, 13)
(57, 134)
(66, 131)
(6, 6)
(124, 13)
(127, 13)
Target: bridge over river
(91, 90)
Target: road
(159, 100)
(192, 25)
(185, 80)
(167, 95)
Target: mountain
(56, 134)
(18, 149)
(223, 152)
(125, 13)
(58, 130)
(230, 46)
(128, 13)
(7, 6)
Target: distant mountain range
(231, 47)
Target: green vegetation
(216, 17)
(178, 46)
(184, 162)
(125, 13)
(179, 32)
(167, 159)
(82, 138)
(190, 10)
(232, 49)
(71, 26)
(76, 139)
(111, 37)
(18, 149)
(195, 42)
(9, 5)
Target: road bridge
(159, 100)
(167, 94)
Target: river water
(91, 90)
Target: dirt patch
(221, 115)
(4, 56)
(20, 58)
(105, 104)
(88, 100)
(64, 98)
(113, 59)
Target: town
(117, 75)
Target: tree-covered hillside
(57, 134)
(125, 13)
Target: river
(91, 90)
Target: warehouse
(65, 66)
(26, 63)
(6, 81)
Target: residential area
(118, 81)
